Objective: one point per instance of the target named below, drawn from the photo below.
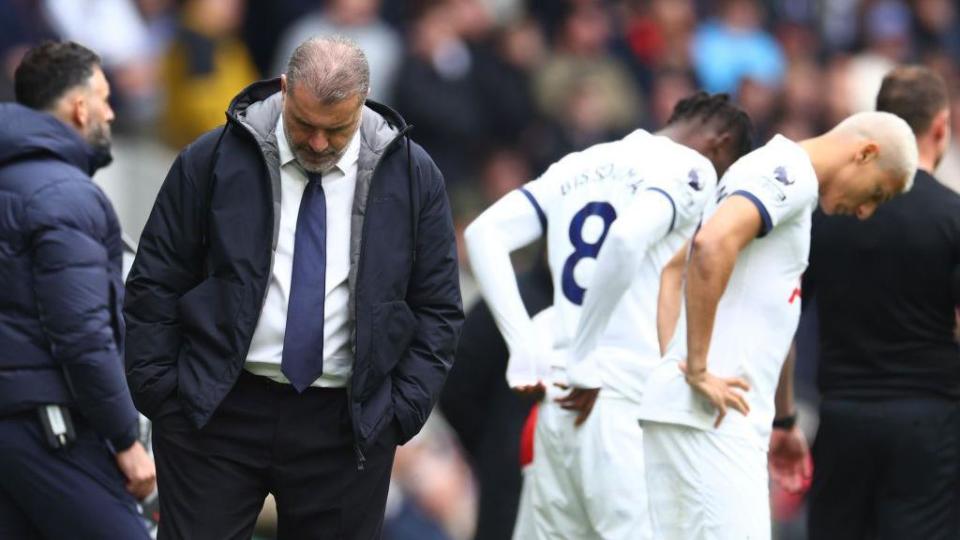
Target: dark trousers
(265, 437)
(77, 492)
(886, 469)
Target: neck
(926, 154)
(825, 153)
(675, 132)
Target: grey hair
(332, 67)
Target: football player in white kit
(588, 482)
(707, 469)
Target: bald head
(332, 68)
(896, 144)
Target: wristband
(785, 422)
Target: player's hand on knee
(721, 392)
(138, 469)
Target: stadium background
(497, 90)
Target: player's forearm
(670, 298)
(784, 400)
(711, 263)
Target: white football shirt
(575, 202)
(760, 308)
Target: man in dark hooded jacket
(69, 455)
(294, 307)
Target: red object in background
(645, 40)
(526, 437)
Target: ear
(80, 111)
(867, 152)
(719, 140)
(940, 127)
(283, 84)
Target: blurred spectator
(937, 27)
(505, 63)
(432, 473)
(205, 67)
(839, 87)
(669, 87)
(503, 171)
(22, 25)
(759, 100)
(734, 46)
(264, 22)
(359, 21)
(437, 87)
(839, 24)
(659, 32)
(588, 94)
(114, 28)
(887, 35)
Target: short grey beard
(310, 168)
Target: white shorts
(588, 482)
(524, 526)
(705, 486)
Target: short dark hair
(915, 93)
(50, 70)
(704, 107)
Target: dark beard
(99, 140)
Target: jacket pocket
(207, 315)
(393, 326)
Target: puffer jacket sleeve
(433, 295)
(168, 264)
(74, 293)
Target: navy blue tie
(302, 359)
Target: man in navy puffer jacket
(61, 325)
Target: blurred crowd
(496, 90)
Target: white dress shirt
(266, 348)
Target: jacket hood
(25, 133)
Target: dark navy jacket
(61, 326)
(192, 306)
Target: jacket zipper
(361, 459)
(263, 158)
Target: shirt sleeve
(546, 191)
(650, 219)
(509, 224)
(687, 188)
(777, 193)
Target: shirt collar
(349, 157)
(352, 154)
(286, 155)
